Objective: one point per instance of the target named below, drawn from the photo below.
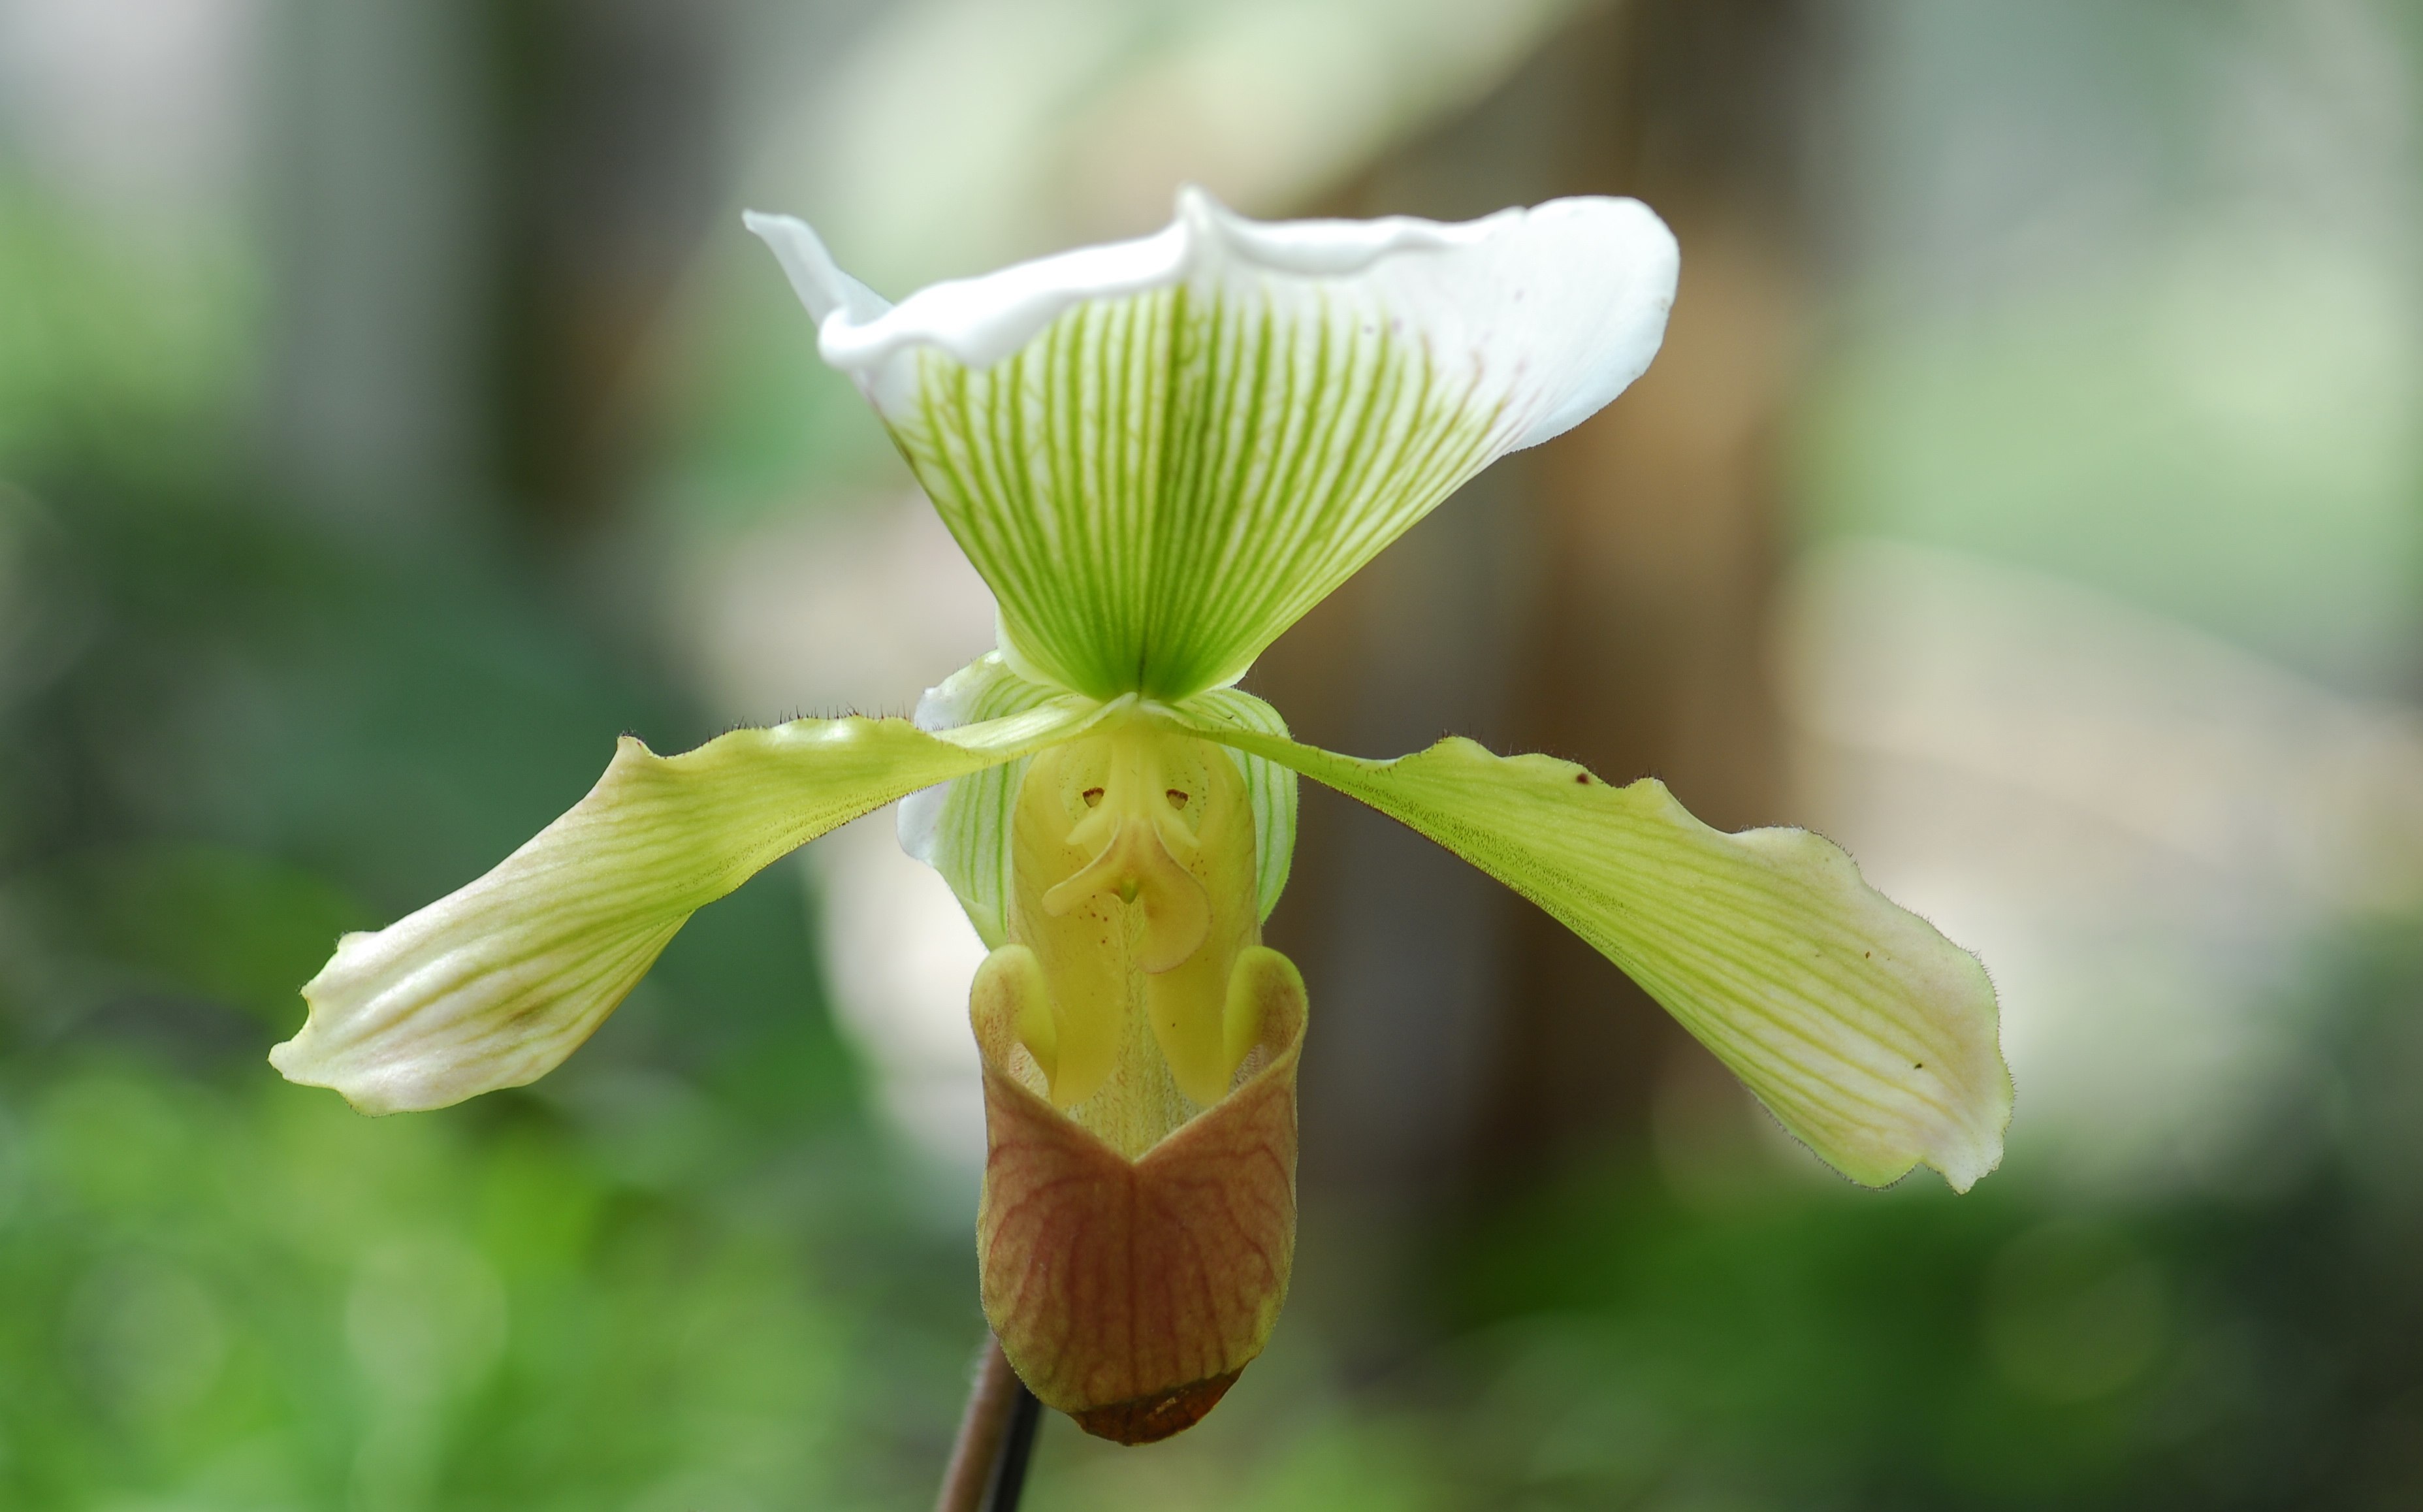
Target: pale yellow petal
(493, 985)
(1868, 1034)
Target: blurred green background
(392, 413)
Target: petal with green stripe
(1867, 1034)
(1269, 785)
(494, 984)
(961, 827)
(1160, 452)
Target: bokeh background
(2030, 495)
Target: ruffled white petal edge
(1566, 301)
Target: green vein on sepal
(1157, 485)
(1867, 1034)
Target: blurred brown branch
(1604, 599)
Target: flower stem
(1017, 1450)
(987, 1468)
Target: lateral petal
(1867, 1034)
(961, 828)
(494, 984)
(1269, 786)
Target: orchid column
(1160, 455)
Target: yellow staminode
(1134, 852)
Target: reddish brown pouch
(1129, 1295)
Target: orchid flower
(1159, 455)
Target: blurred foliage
(2018, 1347)
(682, 1272)
(103, 334)
(231, 727)
(1622, 1340)
(753, 412)
(2256, 475)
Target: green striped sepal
(1160, 453)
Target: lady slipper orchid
(1160, 453)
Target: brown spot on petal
(1151, 1419)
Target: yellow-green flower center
(1132, 853)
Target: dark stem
(1017, 1450)
(987, 1469)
